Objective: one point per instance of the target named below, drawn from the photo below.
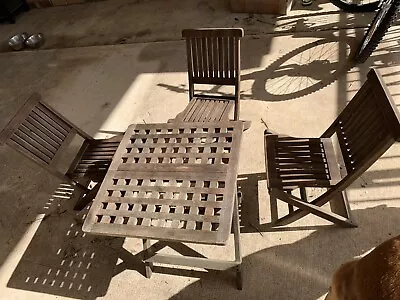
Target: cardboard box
(275, 7)
(48, 3)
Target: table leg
(236, 236)
(148, 265)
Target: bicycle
(385, 17)
(357, 5)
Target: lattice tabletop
(173, 181)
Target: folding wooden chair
(213, 57)
(364, 130)
(43, 135)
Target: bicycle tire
(352, 7)
(364, 52)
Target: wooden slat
(176, 155)
(56, 138)
(300, 154)
(226, 57)
(301, 159)
(165, 176)
(219, 111)
(221, 57)
(200, 111)
(51, 123)
(183, 114)
(195, 57)
(126, 230)
(166, 189)
(225, 111)
(292, 177)
(47, 125)
(158, 215)
(366, 139)
(60, 122)
(211, 65)
(362, 121)
(215, 112)
(192, 112)
(203, 52)
(42, 134)
(302, 171)
(28, 149)
(173, 168)
(39, 139)
(20, 136)
(371, 148)
(209, 108)
(231, 62)
(189, 56)
(215, 56)
(171, 202)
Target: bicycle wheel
(376, 31)
(357, 5)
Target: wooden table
(173, 182)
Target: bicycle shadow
(302, 71)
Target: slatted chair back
(213, 57)
(40, 133)
(367, 127)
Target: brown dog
(376, 276)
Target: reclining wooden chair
(213, 57)
(43, 135)
(364, 130)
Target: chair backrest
(40, 133)
(213, 56)
(367, 126)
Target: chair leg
(85, 200)
(340, 205)
(273, 203)
(303, 194)
(236, 236)
(147, 265)
(305, 208)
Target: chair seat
(96, 158)
(205, 109)
(300, 162)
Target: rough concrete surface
(295, 79)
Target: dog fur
(376, 276)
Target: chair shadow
(299, 270)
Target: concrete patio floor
(296, 79)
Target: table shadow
(299, 270)
(62, 260)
